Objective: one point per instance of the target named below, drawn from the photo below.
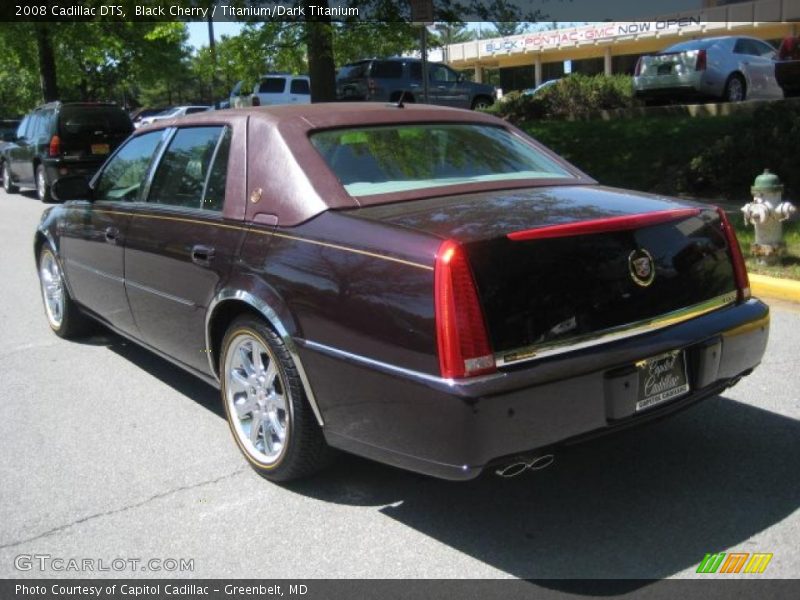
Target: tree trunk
(47, 63)
(321, 67)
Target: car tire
(735, 89)
(481, 103)
(8, 185)
(63, 315)
(42, 187)
(260, 386)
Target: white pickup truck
(274, 88)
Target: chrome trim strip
(528, 353)
(272, 317)
(394, 369)
(94, 271)
(161, 294)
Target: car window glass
(300, 86)
(745, 46)
(22, 127)
(387, 69)
(441, 73)
(415, 71)
(763, 49)
(214, 196)
(124, 175)
(195, 109)
(181, 175)
(35, 126)
(272, 85)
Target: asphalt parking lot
(109, 452)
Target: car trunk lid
(558, 265)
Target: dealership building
(528, 59)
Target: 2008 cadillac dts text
(427, 287)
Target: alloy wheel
(257, 399)
(735, 90)
(52, 288)
(41, 184)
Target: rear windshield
(79, 120)
(386, 69)
(691, 45)
(272, 85)
(398, 158)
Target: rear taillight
(256, 101)
(55, 146)
(739, 269)
(638, 70)
(702, 61)
(464, 349)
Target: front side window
(442, 73)
(398, 158)
(124, 176)
(181, 176)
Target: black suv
(59, 139)
(387, 79)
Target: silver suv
(387, 79)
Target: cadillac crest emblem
(642, 267)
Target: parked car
(728, 68)
(787, 68)
(59, 139)
(540, 88)
(271, 89)
(142, 113)
(172, 113)
(387, 79)
(423, 286)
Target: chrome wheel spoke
(256, 423)
(239, 380)
(245, 354)
(52, 289)
(269, 376)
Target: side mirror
(72, 187)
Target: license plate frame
(662, 378)
(100, 149)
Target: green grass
(789, 266)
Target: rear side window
(353, 71)
(690, 45)
(195, 109)
(181, 177)
(387, 69)
(89, 120)
(300, 86)
(124, 175)
(21, 130)
(272, 85)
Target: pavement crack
(126, 508)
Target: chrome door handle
(111, 234)
(202, 255)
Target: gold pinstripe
(280, 235)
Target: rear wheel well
(223, 316)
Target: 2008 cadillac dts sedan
(427, 287)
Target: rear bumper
(61, 167)
(453, 430)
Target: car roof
(296, 173)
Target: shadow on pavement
(646, 503)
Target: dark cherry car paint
(348, 283)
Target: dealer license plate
(661, 378)
(100, 148)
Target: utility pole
(212, 47)
(422, 14)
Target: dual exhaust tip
(519, 464)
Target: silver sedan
(727, 68)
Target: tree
(508, 28)
(452, 33)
